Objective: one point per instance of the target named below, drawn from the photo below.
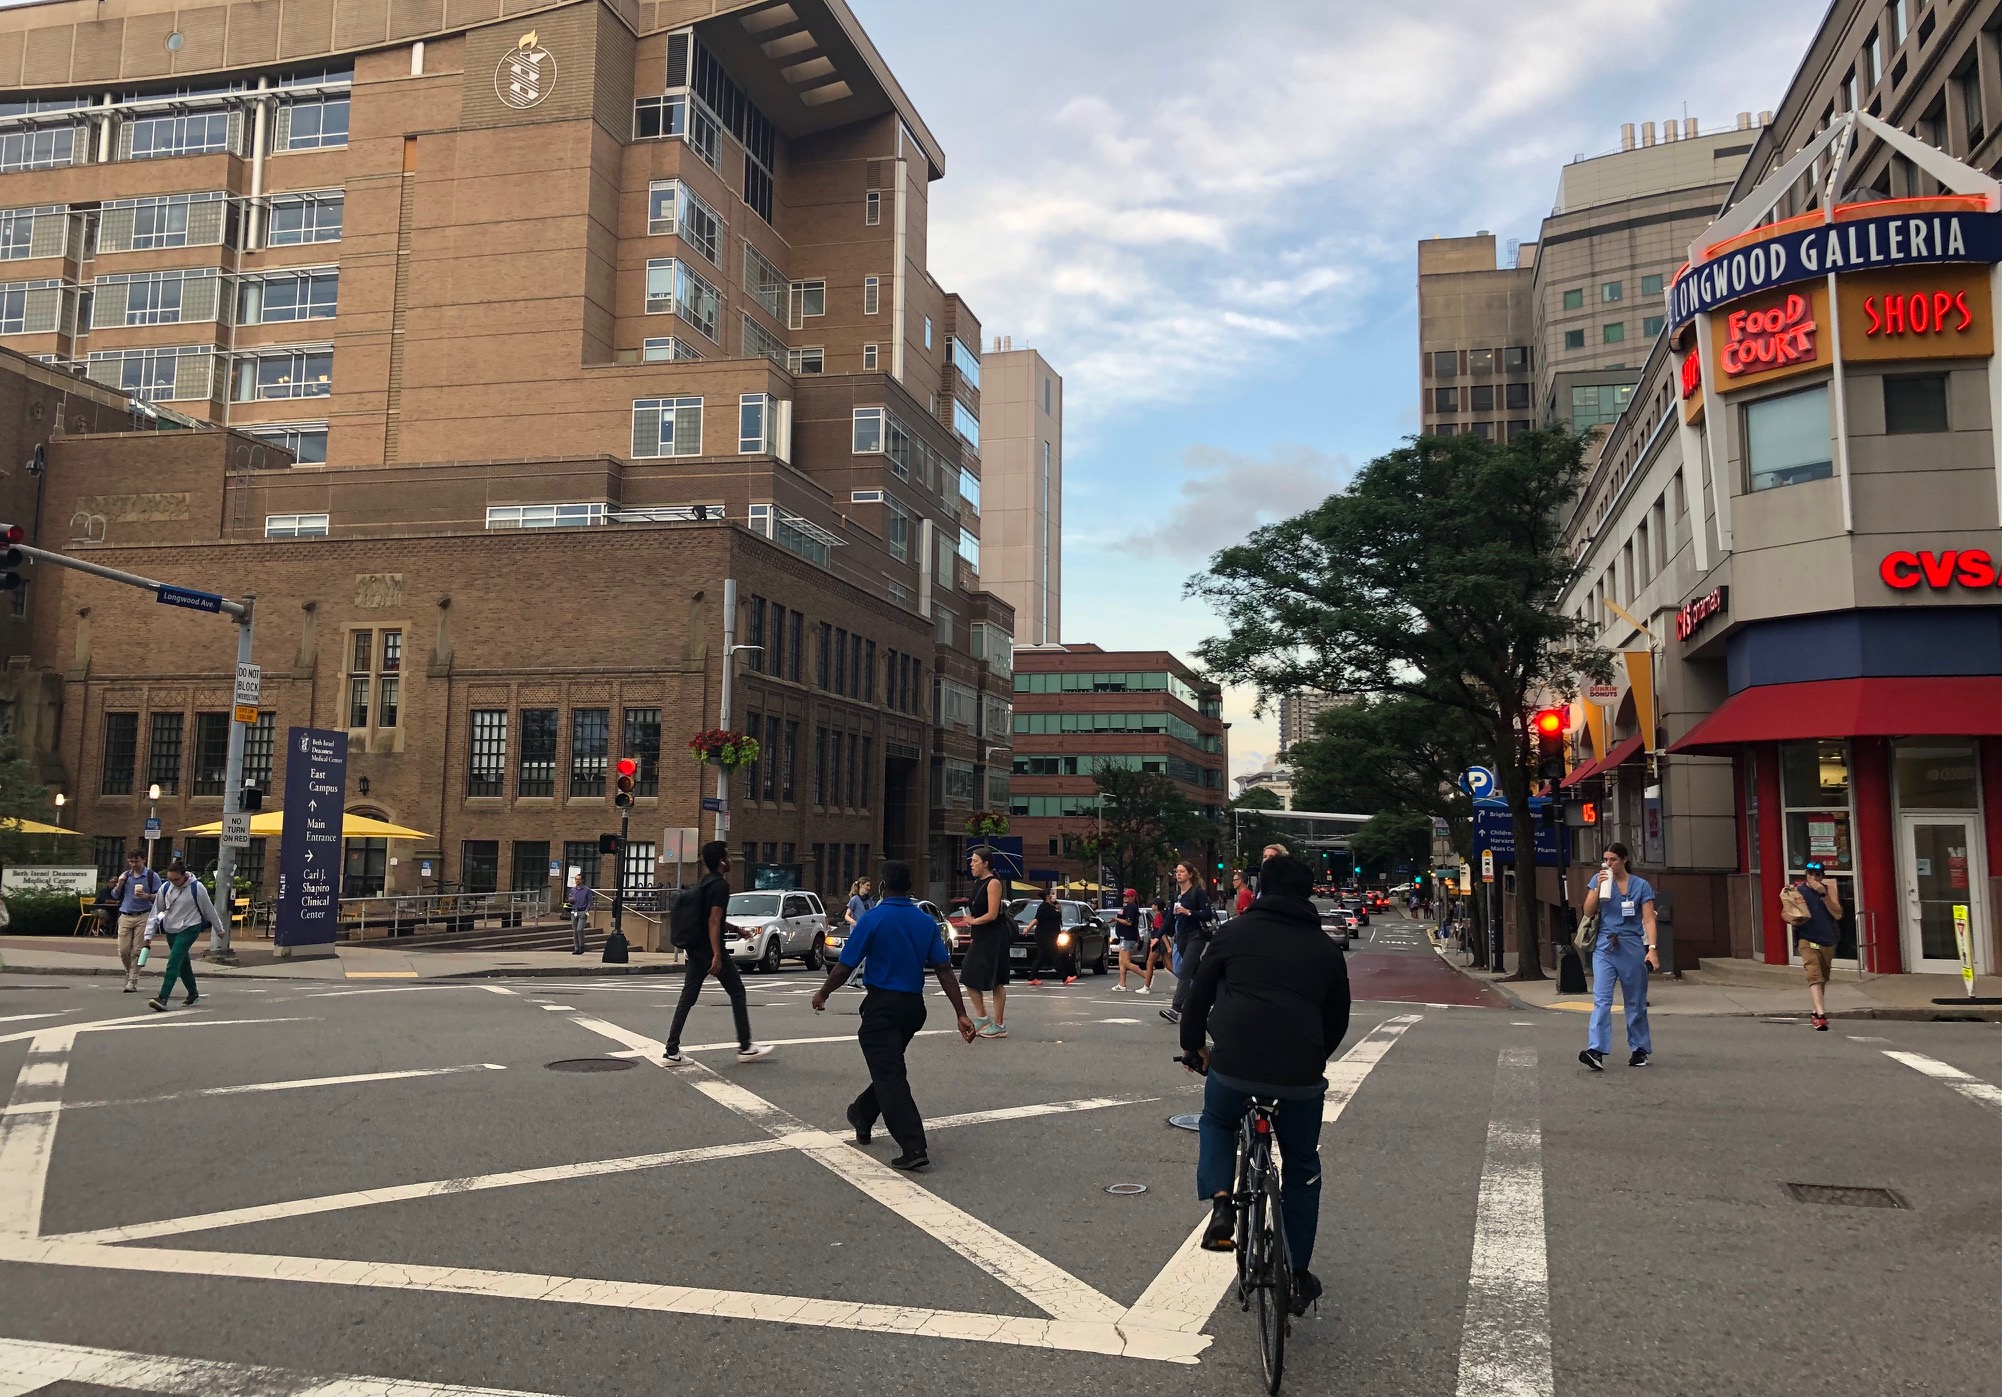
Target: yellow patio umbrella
(36, 827)
(270, 822)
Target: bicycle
(1264, 1270)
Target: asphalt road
(1495, 1218)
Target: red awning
(1957, 705)
(1599, 768)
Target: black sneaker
(1221, 1234)
(1172, 1015)
(1306, 1291)
(1592, 1059)
(911, 1163)
(1639, 1059)
(192, 1000)
(863, 1129)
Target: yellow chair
(86, 919)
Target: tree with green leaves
(1436, 576)
(1144, 820)
(22, 797)
(1391, 837)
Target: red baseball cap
(1131, 893)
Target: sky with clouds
(1206, 218)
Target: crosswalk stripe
(1971, 1087)
(26, 1366)
(1505, 1336)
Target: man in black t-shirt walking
(707, 955)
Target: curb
(1500, 987)
(559, 972)
(205, 973)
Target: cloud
(1224, 495)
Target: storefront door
(1940, 863)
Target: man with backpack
(136, 889)
(696, 927)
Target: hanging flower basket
(723, 747)
(987, 826)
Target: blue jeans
(1298, 1128)
(1625, 961)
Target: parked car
(1339, 924)
(956, 937)
(1090, 934)
(764, 929)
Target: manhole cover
(1192, 1121)
(1845, 1197)
(590, 1064)
(1126, 1190)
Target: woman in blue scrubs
(1624, 951)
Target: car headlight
(1063, 938)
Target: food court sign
(1859, 244)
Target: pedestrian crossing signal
(629, 770)
(608, 844)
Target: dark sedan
(1090, 936)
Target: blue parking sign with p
(1479, 781)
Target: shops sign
(1692, 617)
(1939, 571)
(1920, 313)
(1768, 339)
(1866, 244)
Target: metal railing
(405, 914)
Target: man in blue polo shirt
(899, 941)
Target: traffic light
(1417, 880)
(609, 843)
(1588, 812)
(11, 558)
(1549, 725)
(629, 771)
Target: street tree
(1435, 575)
(1144, 821)
(1251, 827)
(1389, 838)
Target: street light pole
(220, 947)
(152, 820)
(730, 649)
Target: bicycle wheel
(1275, 1281)
(1244, 1195)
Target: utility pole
(168, 594)
(730, 649)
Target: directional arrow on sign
(309, 856)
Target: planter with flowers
(987, 826)
(723, 747)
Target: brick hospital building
(512, 331)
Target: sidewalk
(1751, 990)
(98, 955)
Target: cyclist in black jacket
(1271, 997)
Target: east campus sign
(1863, 244)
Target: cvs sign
(1939, 571)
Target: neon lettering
(1938, 567)
(1898, 570)
(1876, 320)
(1977, 568)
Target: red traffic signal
(1550, 725)
(11, 558)
(1550, 722)
(628, 767)
(629, 770)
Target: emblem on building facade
(525, 74)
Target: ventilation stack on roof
(1765, 118)
(1670, 131)
(1744, 121)
(1689, 128)
(1626, 135)
(1647, 133)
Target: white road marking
(1075, 1335)
(1043, 1283)
(1865, 1038)
(22, 1018)
(26, 1140)
(731, 1044)
(1973, 1088)
(294, 1085)
(561, 1008)
(1505, 1335)
(1186, 1292)
(554, 1173)
(1119, 1021)
(495, 989)
(26, 1366)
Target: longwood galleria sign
(1864, 244)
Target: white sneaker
(1119, 989)
(756, 1050)
(1142, 990)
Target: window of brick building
(487, 769)
(211, 753)
(260, 745)
(479, 865)
(163, 753)
(590, 749)
(536, 775)
(642, 744)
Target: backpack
(686, 926)
(1793, 907)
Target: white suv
(762, 929)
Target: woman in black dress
(1049, 943)
(985, 969)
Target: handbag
(1588, 932)
(1793, 907)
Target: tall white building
(1297, 713)
(1022, 488)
